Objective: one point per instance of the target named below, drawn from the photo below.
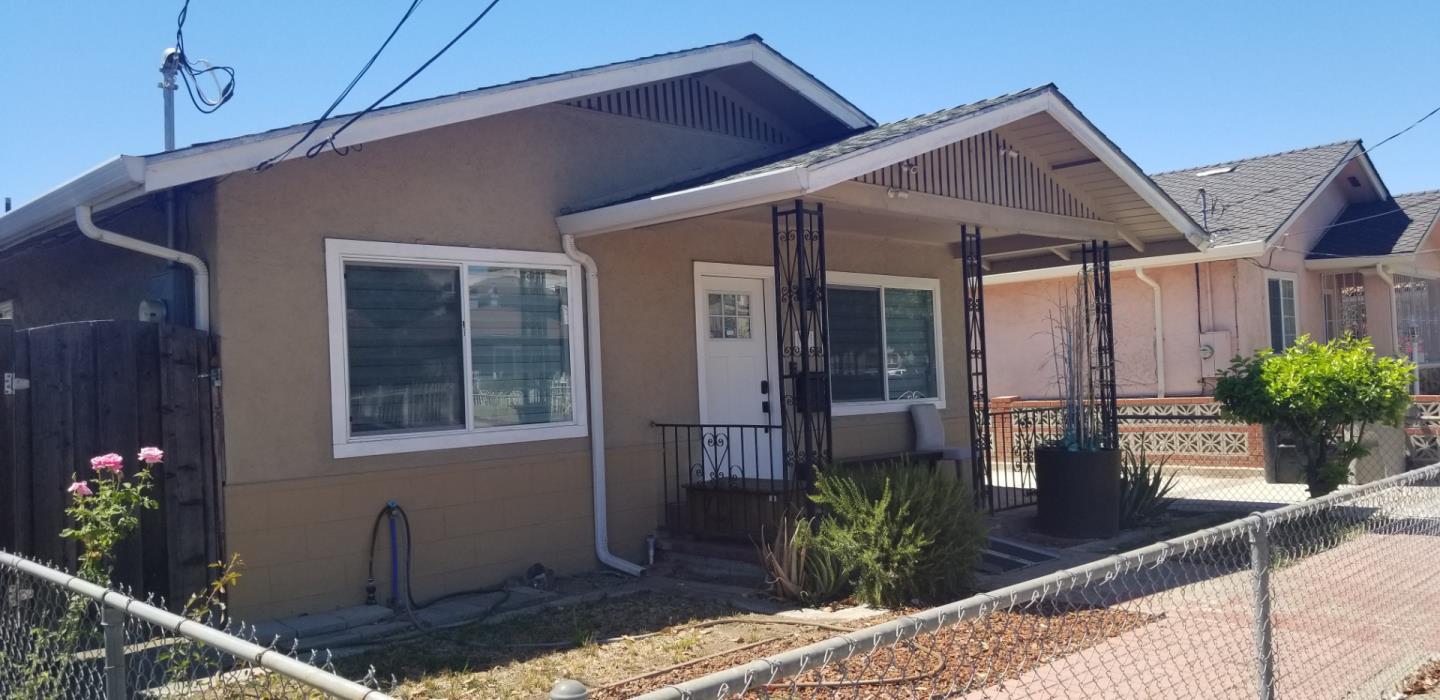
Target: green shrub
(1324, 394)
(1144, 489)
(900, 532)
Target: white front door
(737, 357)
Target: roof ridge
(996, 98)
(1237, 161)
(1416, 193)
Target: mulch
(960, 658)
(1425, 681)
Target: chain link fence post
(112, 620)
(1264, 631)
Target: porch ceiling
(1028, 169)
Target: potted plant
(1077, 473)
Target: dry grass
(621, 647)
(522, 657)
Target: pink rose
(152, 455)
(80, 488)
(112, 463)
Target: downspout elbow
(597, 411)
(1159, 330)
(85, 221)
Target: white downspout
(1159, 332)
(201, 285)
(1383, 273)
(597, 411)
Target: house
(511, 309)
(1305, 242)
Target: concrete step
(730, 572)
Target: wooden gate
(75, 390)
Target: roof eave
(799, 180)
(1234, 251)
(114, 181)
(1342, 262)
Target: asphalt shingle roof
(814, 154)
(1389, 227)
(1251, 201)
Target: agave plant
(1144, 488)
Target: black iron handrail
(729, 480)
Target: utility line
(329, 141)
(271, 161)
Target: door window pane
(403, 340)
(519, 346)
(857, 363)
(910, 341)
(729, 315)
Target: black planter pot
(1078, 493)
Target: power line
(267, 163)
(192, 71)
(1363, 151)
(329, 141)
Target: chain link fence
(1330, 598)
(62, 637)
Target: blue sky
(1175, 84)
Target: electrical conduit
(1159, 332)
(201, 285)
(597, 410)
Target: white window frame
(7, 310)
(1294, 281)
(338, 252)
(882, 282)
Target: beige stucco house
(1305, 242)
(484, 309)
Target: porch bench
(929, 458)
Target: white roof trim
(1360, 261)
(742, 192)
(137, 175)
(1235, 251)
(1282, 231)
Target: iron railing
(727, 481)
(64, 637)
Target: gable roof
(1253, 197)
(125, 177)
(817, 167)
(1395, 226)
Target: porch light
(897, 193)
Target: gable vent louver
(689, 103)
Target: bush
(900, 532)
(1144, 487)
(1324, 394)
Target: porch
(830, 292)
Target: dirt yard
(624, 646)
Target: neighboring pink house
(1303, 242)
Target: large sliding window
(1284, 318)
(885, 349)
(435, 347)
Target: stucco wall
(68, 277)
(648, 307)
(299, 517)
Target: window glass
(910, 343)
(857, 364)
(729, 315)
(403, 338)
(1344, 297)
(519, 346)
(1282, 313)
(1417, 310)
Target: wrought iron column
(1099, 312)
(977, 378)
(803, 338)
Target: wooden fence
(75, 390)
